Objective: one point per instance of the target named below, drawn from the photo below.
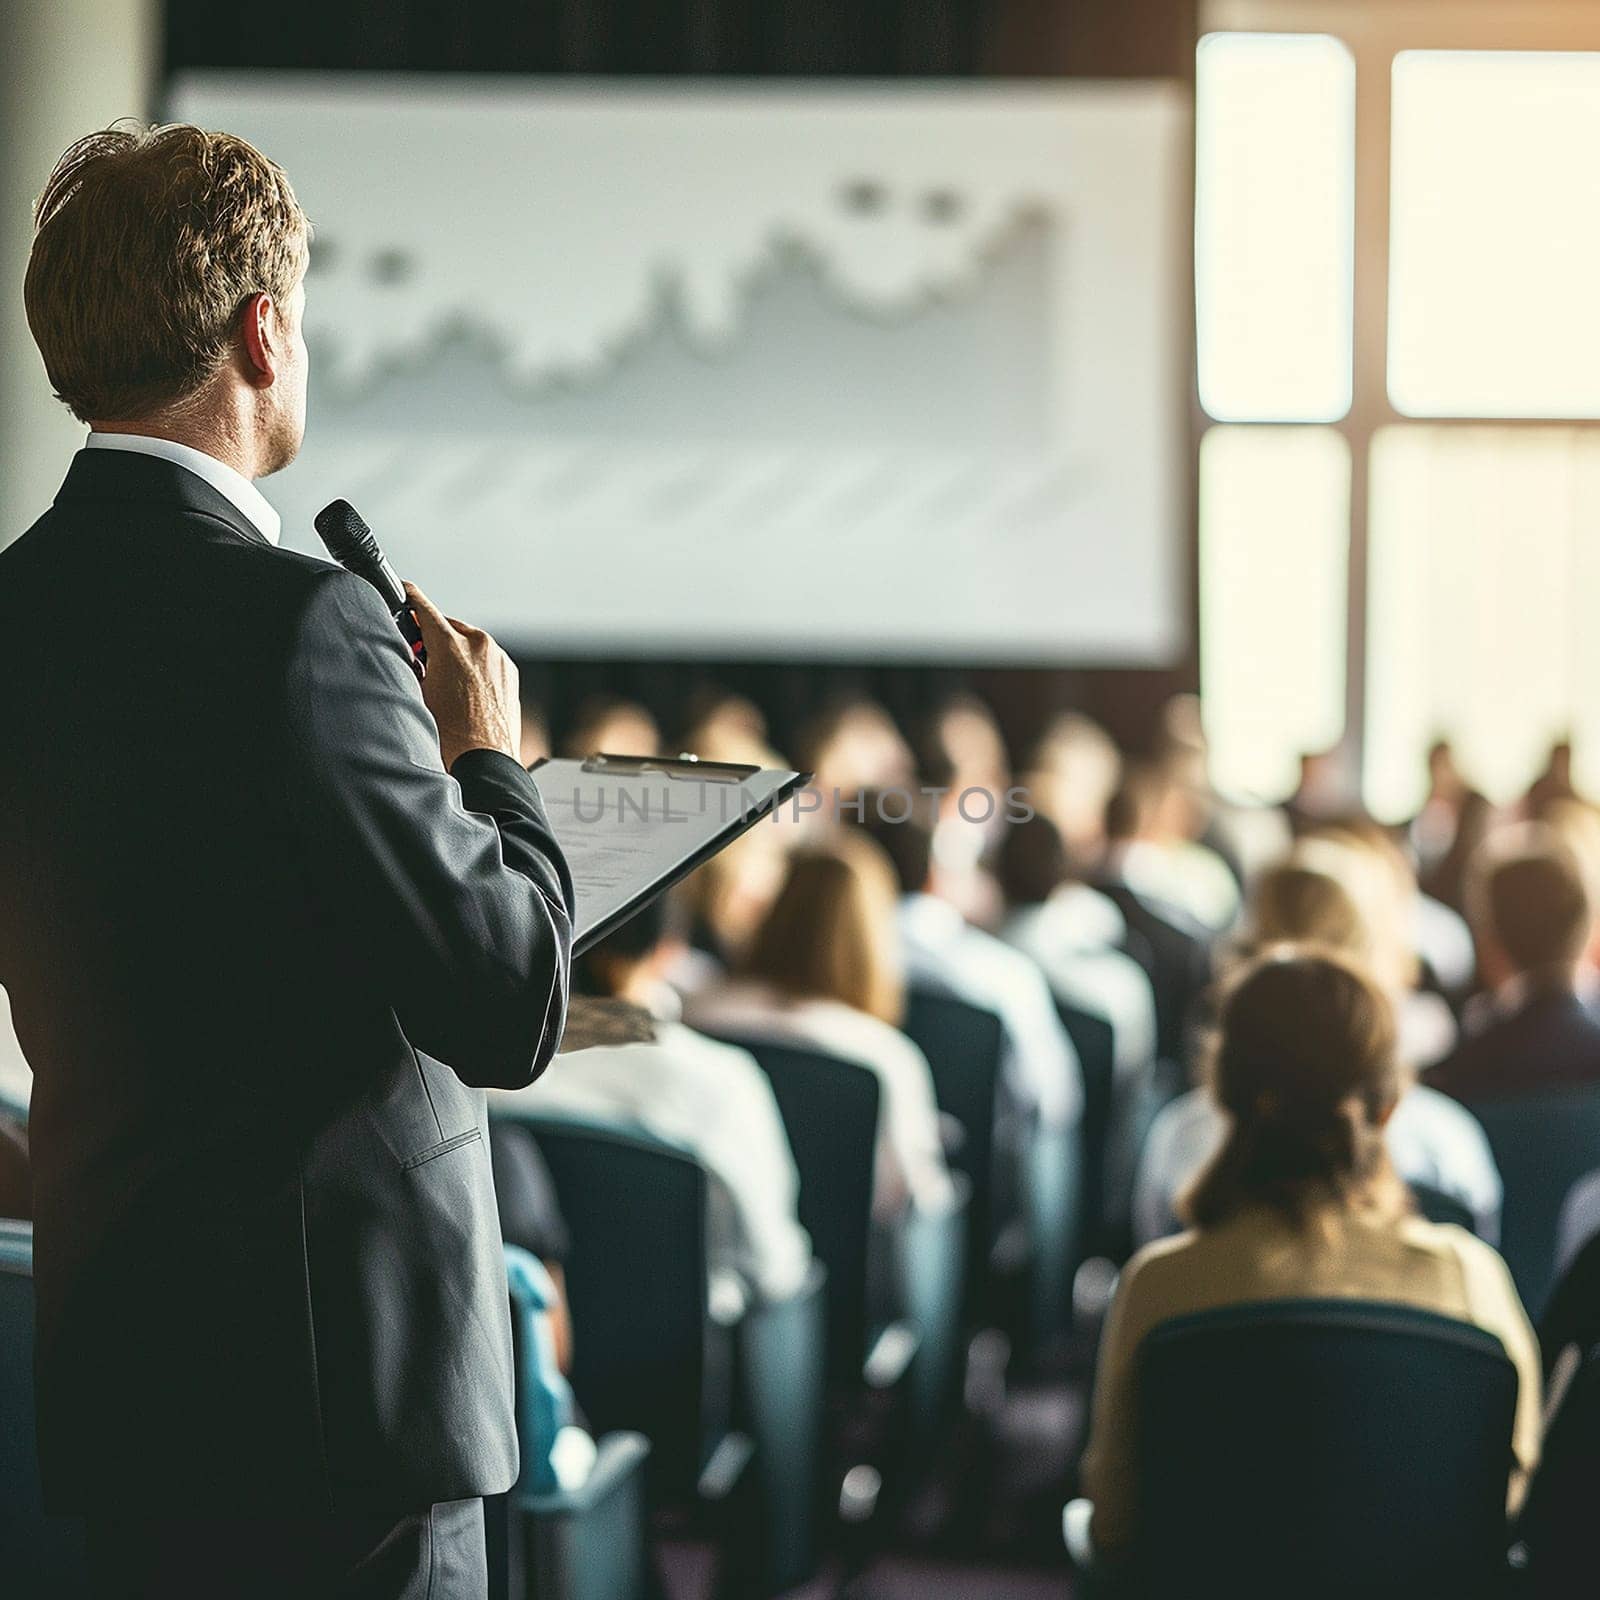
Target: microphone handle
(387, 582)
(410, 630)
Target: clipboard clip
(683, 768)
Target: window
(1274, 197)
(1495, 234)
(1399, 222)
(1483, 585)
(1274, 548)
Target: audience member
(1325, 790)
(534, 741)
(1073, 772)
(1070, 932)
(723, 903)
(16, 1076)
(1151, 846)
(1447, 832)
(618, 727)
(727, 727)
(853, 746)
(1576, 824)
(1301, 1202)
(1247, 837)
(680, 1086)
(945, 955)
(964, 763)
(1554, 783)
(1173, 945)
(824, 970)
(1532, 919)
(16, 1176)
(1432, 1141)
(1406, 929)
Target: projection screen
(887, 371)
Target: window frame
(1375, 32)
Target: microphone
(355, 547)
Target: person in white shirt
(1069, 930)
(707, 1097)
(16, 1076)
(945, 955)
(1324, 897)
(1153, 849)
(824, 970)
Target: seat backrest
(1557, 1527)
(39, 1555)
(1180, 966)
(1323, 1448)
(963, 1045)
(1437, 1206)
(1542, 1145)
(645, 1355)
(1095, 1043)
(830, 1112)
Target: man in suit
(270, 915)
(1531, 918)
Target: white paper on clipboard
(632, 826)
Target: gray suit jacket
(261, 951)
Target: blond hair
(830, 934)
(147, 243)
(1302, 901)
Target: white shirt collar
(233, 486)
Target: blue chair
(732, 1406)
(1542, 1145)
(1025, 1221)
(963, 1043)
(555, 1541)
(894, 1299)
(1437, 1206)
(1558, 1538)
(41, 1557)
(1322, 1449)
(648, 1356)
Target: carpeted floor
(986, 1526)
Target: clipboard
(632, 826)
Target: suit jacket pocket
(443, 1148)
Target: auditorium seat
(895, 1297)
(1093, 1039)
(1175, 951)
(963, 1044)
(1322, 1449)
(730, 1400)
(1437, 1206)
(41, 1557)
(1558, 1536)
(1542, 1144)
(552, 1539)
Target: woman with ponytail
(1300, 1202)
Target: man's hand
(471, 686)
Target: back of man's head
(1032, 862)
(903, 825)
(147, 243)
(606, 969)
(1528, 901)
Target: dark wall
(800, 38)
